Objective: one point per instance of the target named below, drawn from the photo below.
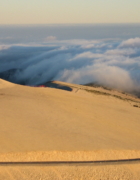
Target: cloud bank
(111, 63)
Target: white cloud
(76, 61)
(88, 46)
(50, 38)
(3, 47)
(131, 43)
(121, 52)
(110, 76)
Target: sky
(69, 11)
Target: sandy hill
(86, 123)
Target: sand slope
(52, 124)
(44, 119)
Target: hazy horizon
(38, 33)
(59, 24)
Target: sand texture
(84, 124)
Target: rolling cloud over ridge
(112, 63)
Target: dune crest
(5, 84)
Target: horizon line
(43, 24)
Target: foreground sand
(107, 172)
(45, 124)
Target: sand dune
(87, 123)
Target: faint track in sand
(76, 91)
(57, 163)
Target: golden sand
(46, 124)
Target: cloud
(50, 38)
(110, 63)
(131, 43)
(109, 76)
(121, 52)
(3, 47)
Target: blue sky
(69, 11)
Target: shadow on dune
(52, 84)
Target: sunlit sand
(85, 124)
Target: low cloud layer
(111, 63)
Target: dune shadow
(52, 84)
